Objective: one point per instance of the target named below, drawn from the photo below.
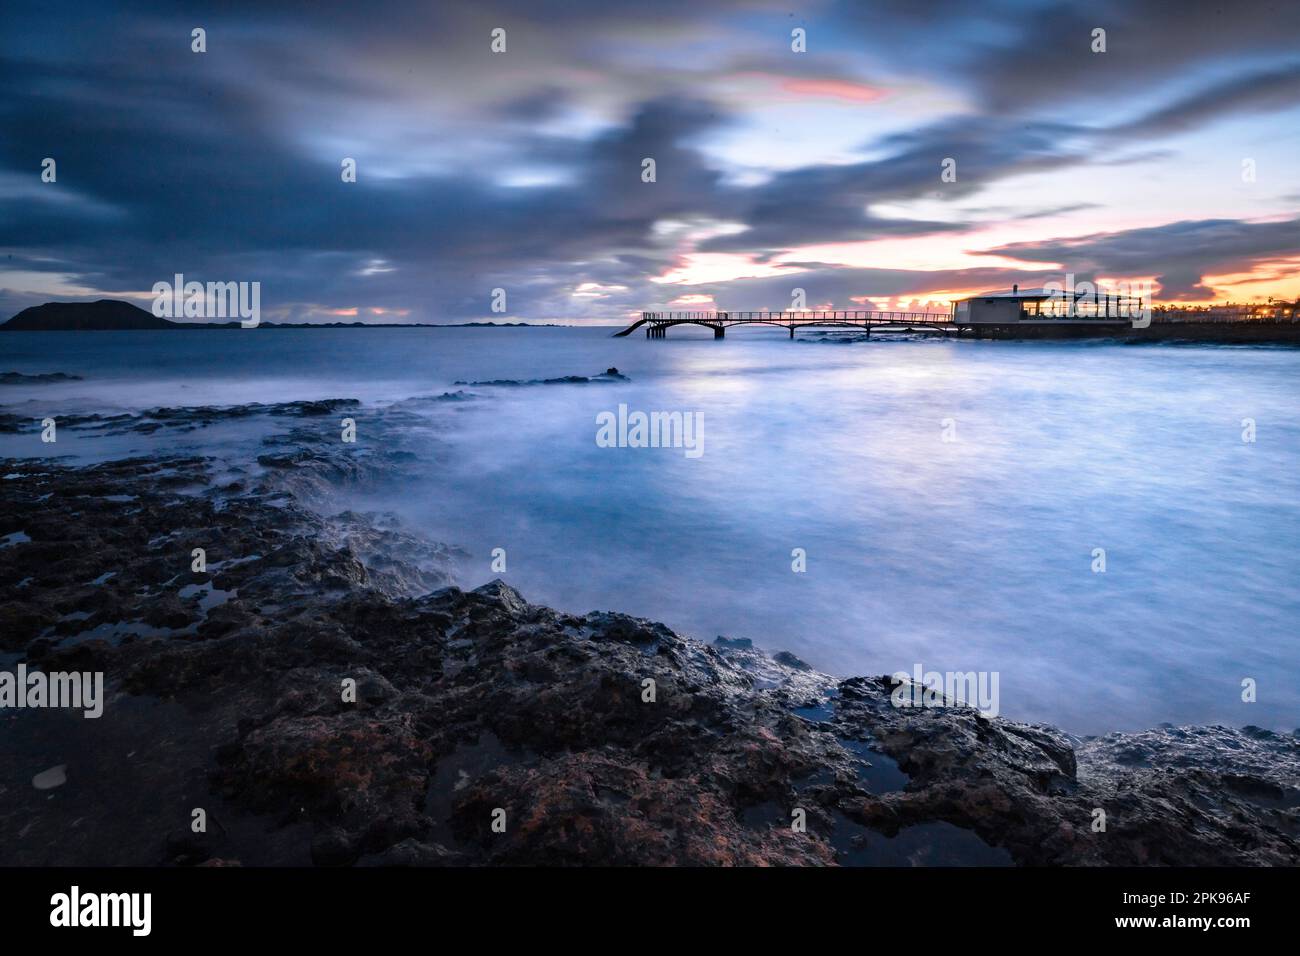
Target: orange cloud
(697, 267)
(693, 299)
(833, 89)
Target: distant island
(104, 315)
(113, 315)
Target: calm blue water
(974, 554)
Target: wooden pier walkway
(657, 324)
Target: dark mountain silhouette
(104, 315)
(113, 314)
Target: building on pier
(1019, 307)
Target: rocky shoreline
(588, 739)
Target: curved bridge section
(657, 324)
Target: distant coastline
(114, 315)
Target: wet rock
(187, 848)
(734, 643)
(18, 378)
(609, 375)
(411, 852)
(577, 808)
(786, 659)
(49, 779)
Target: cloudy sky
(522, 170)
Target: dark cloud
(1178, 254)
(1026, 56)
(1255, 92)
(829, 203)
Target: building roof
(1036, 294)
(1014, 294)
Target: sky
(1171, 157)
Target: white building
(1043, 307)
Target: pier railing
(852, 315)
(657, 323)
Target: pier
(1023, 314)
(657, 324)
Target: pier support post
(792, 331)
(719, 332)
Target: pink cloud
(833, 89)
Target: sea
(1112, 530)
